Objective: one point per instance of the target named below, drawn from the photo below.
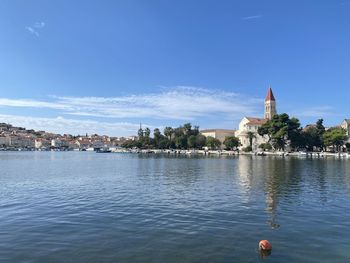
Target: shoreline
(194, 152)
(233, 153)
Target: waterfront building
(219, 134)
(248, 126)
(346, 126)
(55, 143)
(4, 127)
(42, 143)
(5, 141)
(21, 142)
(133, 138)
(98, 144)
(83, 143)
(73, 145)
(59, 143)
(248, 132)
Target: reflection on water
(86, 207)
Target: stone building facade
(248, 126)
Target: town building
(248, 126)
(83, 143)
(59, 143)
(5, 141)
(22, 142)
(219, 134)
(12, 137)
(41, 143)
(248, 132)
(346, 126)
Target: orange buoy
(265, 245)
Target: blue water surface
(88, 207)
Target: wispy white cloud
(252, 17)
(178, 103)
(316, 112)
(72, 126)
(28, 103)
(39, 24)
(34, 29)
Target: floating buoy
(265, 245)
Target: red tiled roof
(256, 121)
(269, 95)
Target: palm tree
(187, 128)
(251, 136)
(168, 131)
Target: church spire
(270, 105)
(269, 95)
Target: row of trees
(282, 130)
(182, 137)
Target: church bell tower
(270, 105)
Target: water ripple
(85, 207)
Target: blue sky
(105, 66)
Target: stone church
(248, 127)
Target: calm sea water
(88, 207)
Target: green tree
(250, 135)
(163, 143)
(140, 139)
(281, 129)
(181, 137)
(309, 136)
(319, 126)
(231, 142)
(147, 134)
(168, 132)
(247, 149)
(157, 137)
(335, 137)
(131, 144)
(191, 141)
(187, 128)
(313, 136)
(213, 143)
(294, 133)
(181, 142)
(201, 141)
(179, 131)
(321, 130)
(195, 130)
(265, 146)
(140, 133)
